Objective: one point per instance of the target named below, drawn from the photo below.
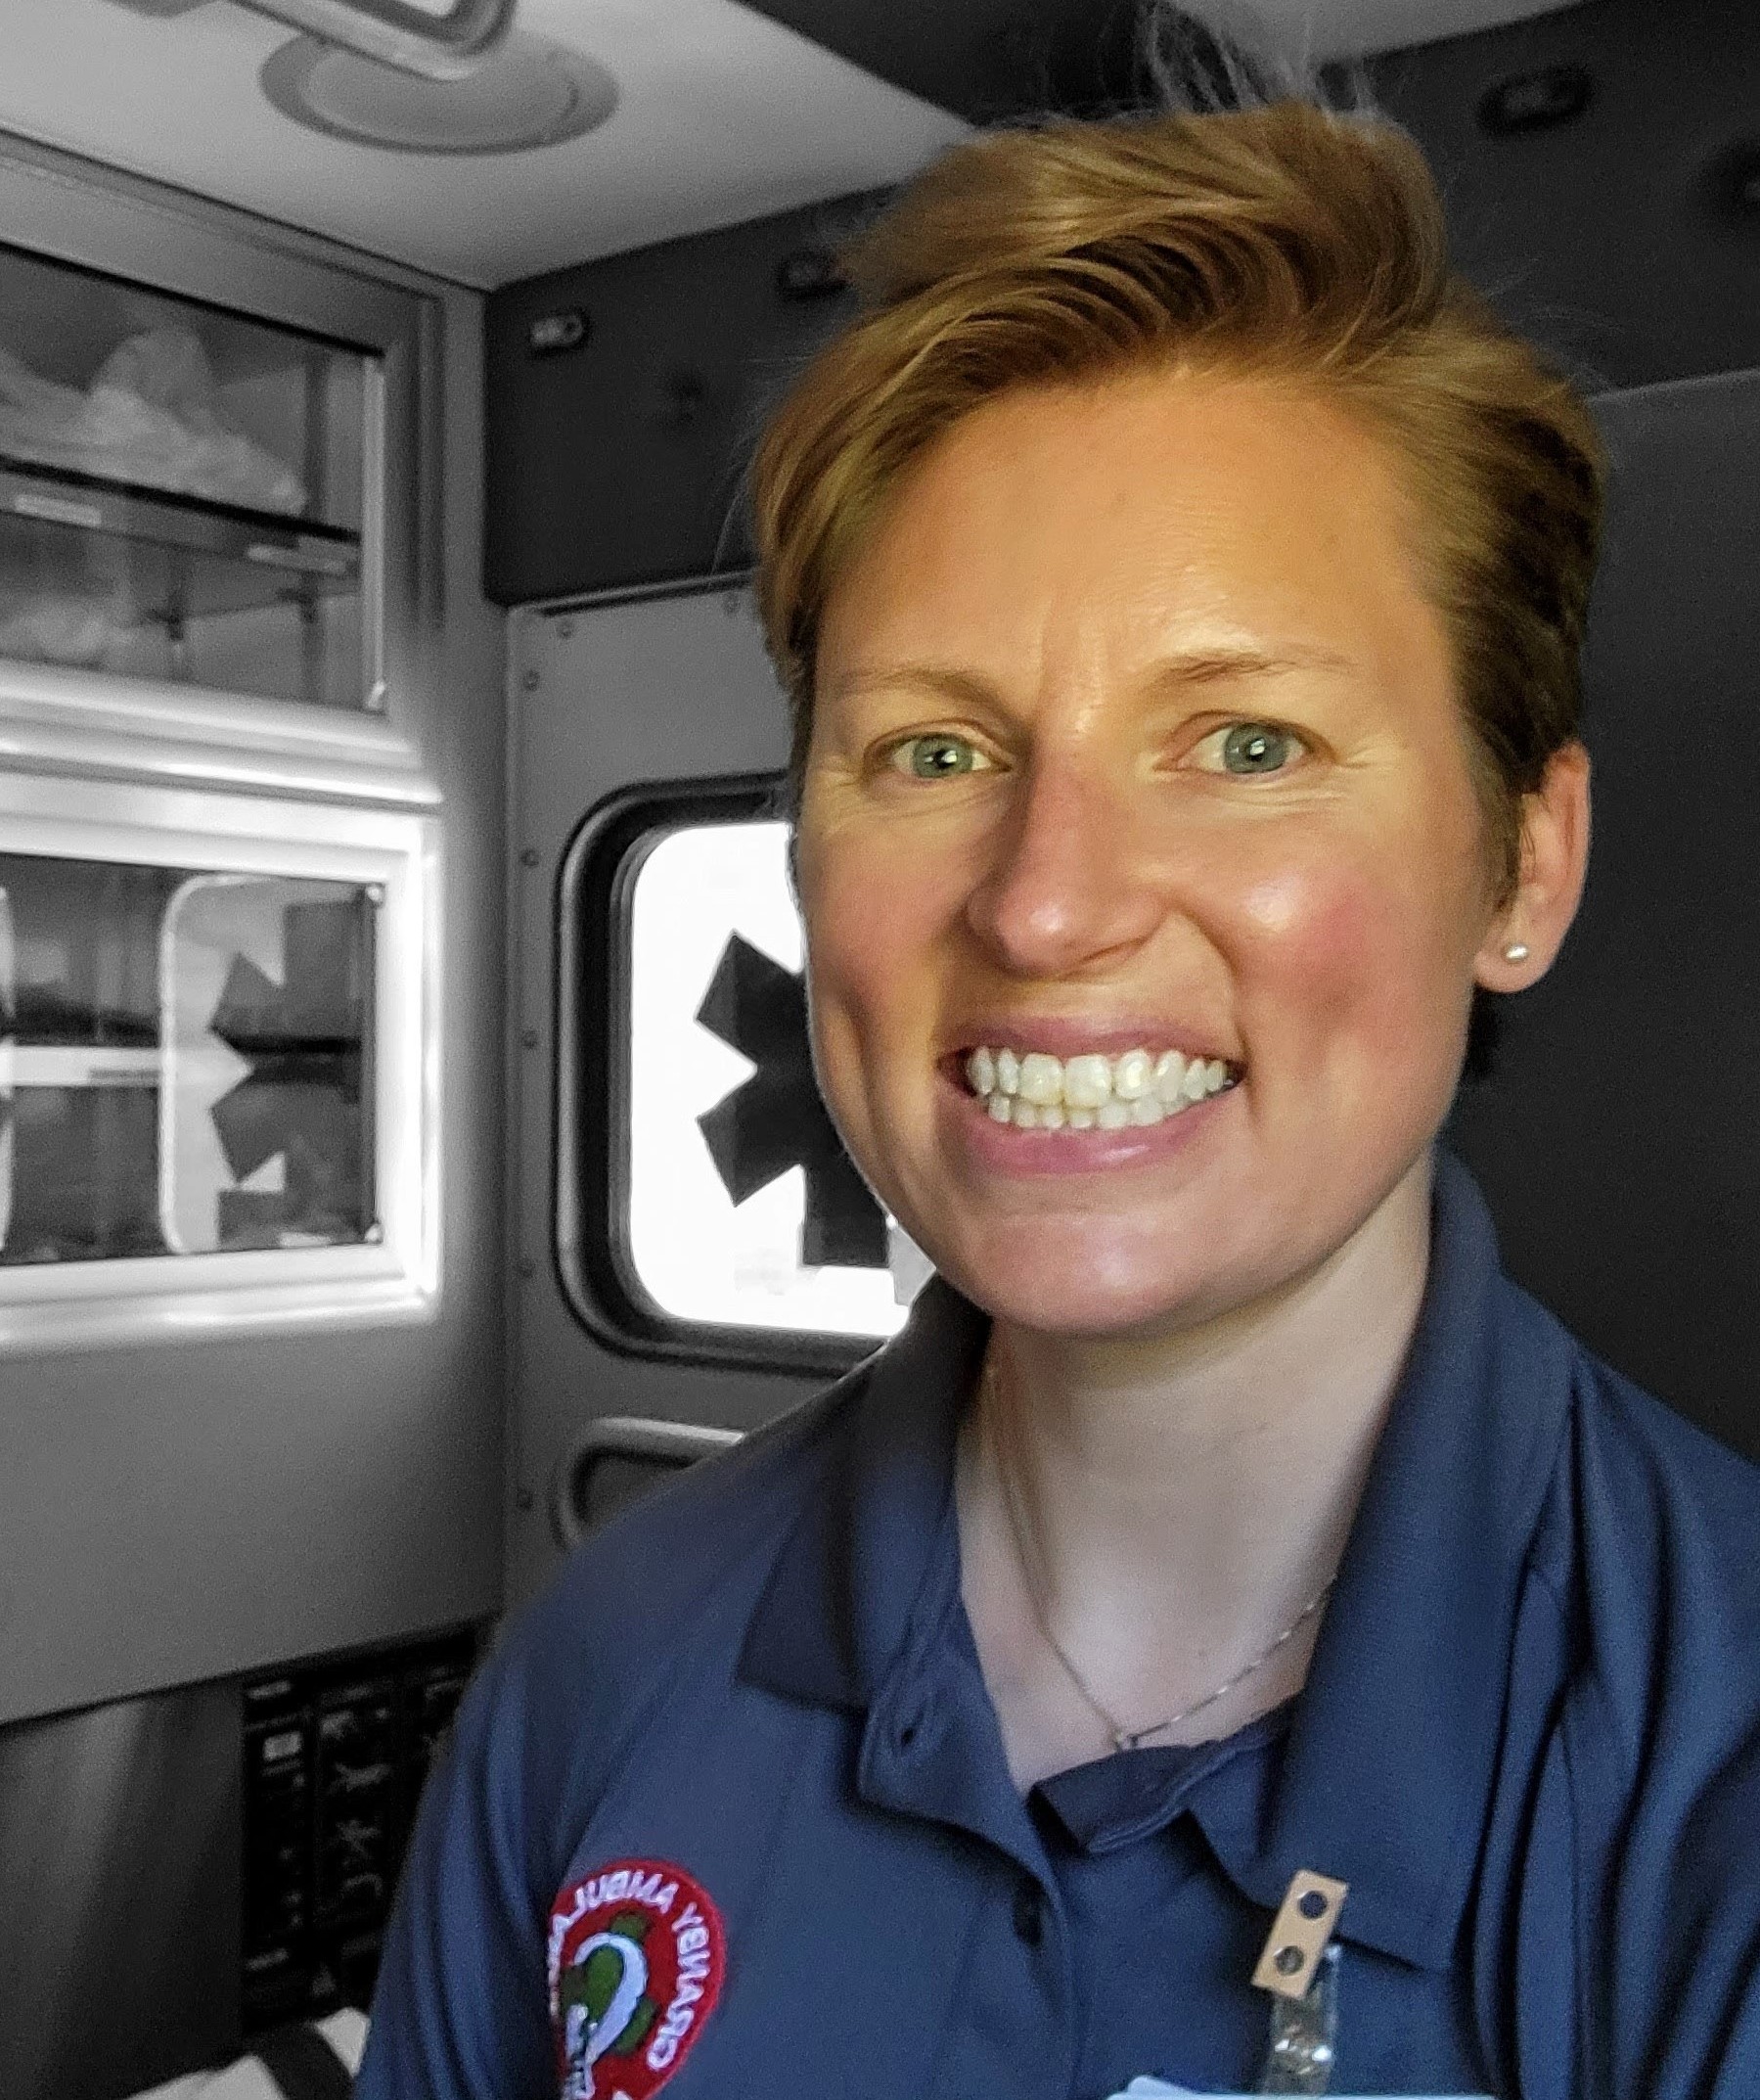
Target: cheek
(870, 941)
(1351, 953)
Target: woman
(1178, 578)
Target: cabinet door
(182, 490)
(217, 459)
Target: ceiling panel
(723, 115)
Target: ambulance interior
(408, 1146)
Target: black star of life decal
(775, 1119)
(302, 1040)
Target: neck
(1204, 1483)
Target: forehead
(1088, 525)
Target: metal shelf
(163, 557)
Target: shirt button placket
(1034, 1925)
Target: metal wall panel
(670, 687)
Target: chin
(1080, 1290)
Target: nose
(1067, 885)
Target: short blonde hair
(1286, 242)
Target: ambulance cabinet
(214, 1004)
(250, 833)
(251, 843)
(184, 491)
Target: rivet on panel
(565, 628)
(528, 856)
(530, 681)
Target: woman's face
(1135, 731)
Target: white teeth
(1133, 1076)
(1087, 1082)
(1036, 1091)
(1041, 1080)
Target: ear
(1554, 863)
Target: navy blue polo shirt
(747, 1731)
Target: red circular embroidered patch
(636, 1959)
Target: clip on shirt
(1299, 1968)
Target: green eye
(934, 757)
(1259, 745)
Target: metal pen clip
(1299, 1968)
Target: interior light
(528, 93)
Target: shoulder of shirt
(1662, 1482)
(1649, 1543)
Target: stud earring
(1517, 952)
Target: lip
(1002, 1149)
(1062, 1038)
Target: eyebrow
(1196, 666)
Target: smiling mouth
(1036, 1091)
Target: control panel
(336, 1756)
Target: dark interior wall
(120, 1928)
(1618, 1143)
(1619, 239)
(1617, 236)
(1622, 239)
(619, 461)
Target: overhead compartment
(622, 398)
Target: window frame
(590, 1159)
(394, 1279)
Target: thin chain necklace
(1123, 1738)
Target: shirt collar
(834, 1616)
(1388, 1760)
